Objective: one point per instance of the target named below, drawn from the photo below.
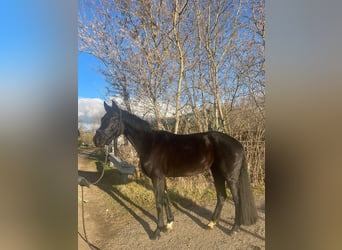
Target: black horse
(163, 154)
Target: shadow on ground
(112, 177)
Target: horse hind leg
(234, 189)
(158, 186)
(219, 182)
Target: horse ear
(115, 106)
(106, 106)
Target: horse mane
(135, 122)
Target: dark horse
(163, 154)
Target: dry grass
(86, 138)
(198, 189)
(137, 193)
(140, 191)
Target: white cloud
(143, 108)
(90, 111)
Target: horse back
(185, 155)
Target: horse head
(111, 125)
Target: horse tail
(248, 210)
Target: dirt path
(113, 221)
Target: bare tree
(217, 25)
(99, 36)
(178, 10)
(201, 61)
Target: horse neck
(141, 139)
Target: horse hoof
(211, 225)
(234, 231)
(156, 235)
(169, 226)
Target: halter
(121, 123)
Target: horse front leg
(158, 186)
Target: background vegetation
(200, 62)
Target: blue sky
(91, 84)
(91, 92)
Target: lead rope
(105, 163)
(85, 237)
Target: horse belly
(188, 167)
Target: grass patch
(259, 190)
(196, 189)
(137, 194)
